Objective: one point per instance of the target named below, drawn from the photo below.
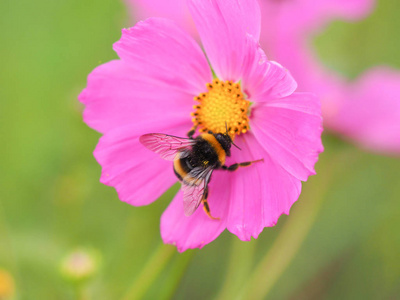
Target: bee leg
(206, 207)
(234, 167)
(191, 132)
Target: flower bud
(80, 264)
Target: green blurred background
(51, 201)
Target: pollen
(222, 107)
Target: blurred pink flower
(366, 111)
(151, 89)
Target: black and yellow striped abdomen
(206, 152)
(182, 168)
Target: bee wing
(194, 186)
(168, 146)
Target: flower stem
(150, 272)
(240, 264)
(288, 243)
(81, 292)
(177, 273)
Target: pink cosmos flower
(366, 111)
(161, 74)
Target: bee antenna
(226, 126)
(236, 145)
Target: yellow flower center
(222, 106)
(7, 287)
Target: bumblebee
(194, 161)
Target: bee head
(225, 141)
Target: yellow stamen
(224, 103)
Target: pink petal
(264, 80)
(284, 17)
(139, 175)
(260, 193)
(159, 49)
(357, 110)
(198, 229)
(176, 10)
(370, 112)
(327, 10)
(289, 129)
(117, 95)
(365, 111)
(318, 13)
(223, 26)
